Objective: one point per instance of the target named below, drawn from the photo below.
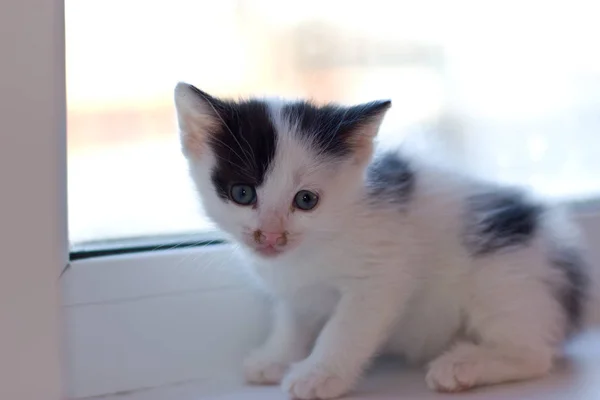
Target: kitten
(366, 254)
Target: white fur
(359, 279)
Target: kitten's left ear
(197, 114)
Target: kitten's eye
(242, 194)
(306, 200)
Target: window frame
(33, 215)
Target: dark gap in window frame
(120, 246)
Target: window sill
(575, 379)
(157, 319)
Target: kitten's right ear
(197, 116)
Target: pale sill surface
(156, 319)
(578, 377)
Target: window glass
(505, 90)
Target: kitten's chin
(268, 252)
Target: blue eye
(242, 194)
(305, 200)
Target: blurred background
(508, 91)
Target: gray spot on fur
(390, 177)
(573, 294)
(499, 219)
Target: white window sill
(576, 379)
(155, 320)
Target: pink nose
(272, 239)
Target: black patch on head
(499, 219)
(390, 178)
(330, 128)
(243, 142)
(573, 295)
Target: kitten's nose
(271, 238)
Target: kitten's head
(274, 174)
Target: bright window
(514, 87)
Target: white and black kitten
(368, 254)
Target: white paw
(262, 369)
(449, 374)
(309, 380)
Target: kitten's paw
(262, 369)
(451, 374)
(309, 380)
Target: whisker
(241, 169)
(215, 139)
(169, 246)
(187, 257)
(252, 156)
(229, 130)
(251, 159)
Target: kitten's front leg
(353, 335)
(286, 343)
